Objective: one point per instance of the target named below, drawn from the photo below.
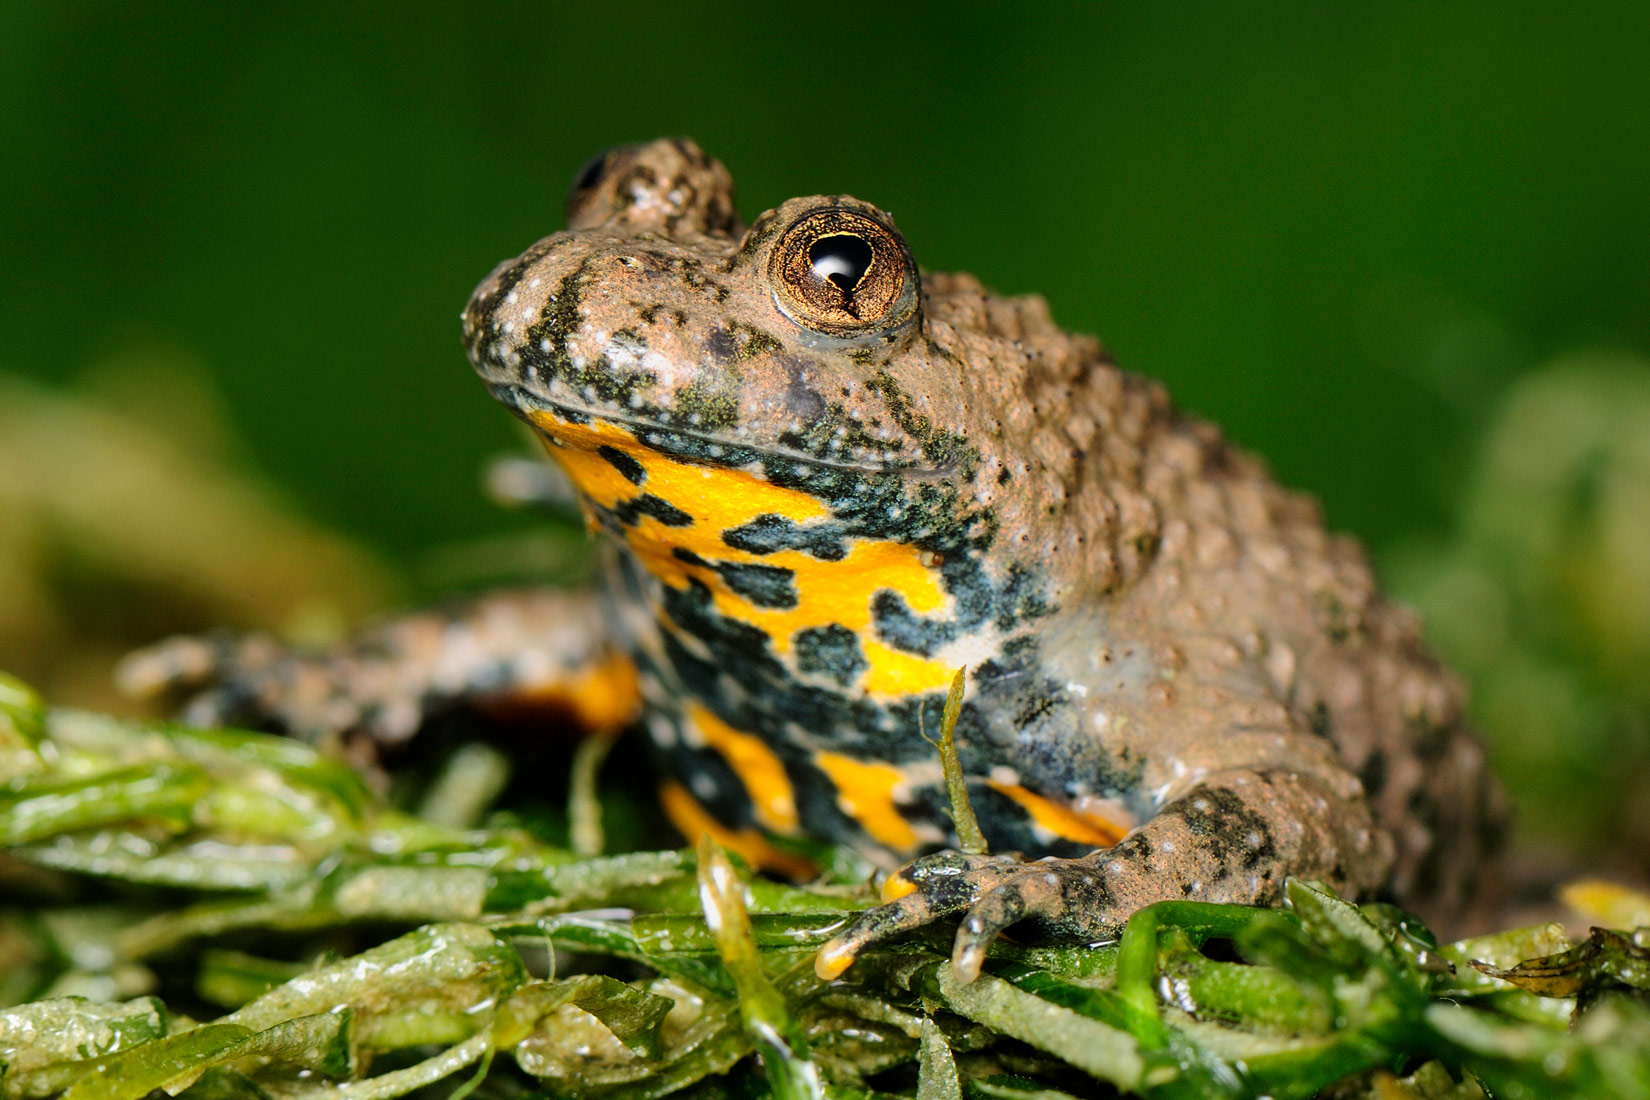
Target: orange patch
(772, 798)
(866, 793)
(895, 887)
(832, 961)
(602, 697)
(1060, 820)
(693, 821)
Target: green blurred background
(1347, 232)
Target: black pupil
(842, 259)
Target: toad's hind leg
(538, 648)
(1234, 838)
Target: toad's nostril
(597, 167)
(591, 172)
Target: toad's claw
(1064, 899)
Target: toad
(823, 480)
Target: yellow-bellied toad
(825, 482)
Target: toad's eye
(582, 192)
(840, 272)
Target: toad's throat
(541, 410)
(691, 525)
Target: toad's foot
(1060, 900)
(1234, 838)
(538, 649)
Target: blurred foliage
(126, 513)
(1541, 597)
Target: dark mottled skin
(1160, 640)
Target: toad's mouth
(687, 443)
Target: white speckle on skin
(704, 786)
(661, 729)
(1115, 867)
(544, 345)
(510, 298)
(1167, 846)
(1177, 771)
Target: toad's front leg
(534, 648)
(1234, 838)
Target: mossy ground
(228, 914)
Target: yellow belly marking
(772, 798)
(866, 793)
(693, 821)
(828, 592)
(715, 497)
(1062, 821)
